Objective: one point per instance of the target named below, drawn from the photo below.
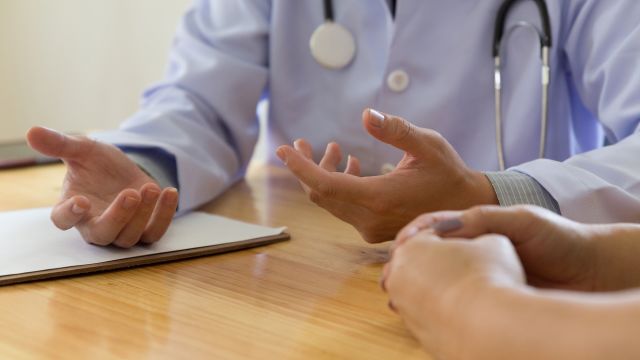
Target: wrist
(470, 307)
(487, 320)
(483, 190)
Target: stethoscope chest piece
(332, 45)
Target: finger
(133, 230)
(332, 157)
(384, 276)
(70, 212)
(423, 222)
(104, 229)
(331, 185)
(353, 166)
(396, 131)
(304, 147)
(162, 216)
(508, 221)
(55, 144)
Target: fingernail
(448, 225)
(382, 284)
(282, 155)
(172, 195)
(377, 119)
(392, 307)
(150, 195)
(129, 202)
(77, 209)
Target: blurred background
(80, 65)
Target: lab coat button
(387, 168)
(398, 80)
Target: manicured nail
(377, 119)
(171, 196)
(282, 155)
(77, 209)
(446, 226)
(129, 202)
(150, 195)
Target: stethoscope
(334, 47)
(545, 45)
(331, 44)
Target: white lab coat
(228, 54)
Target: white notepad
(32, 248)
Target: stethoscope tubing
(545, 46)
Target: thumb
(394, 130)
(514, 222)
(55, 144)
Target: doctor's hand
(435, 285)
(555, 252)
(104, 194)
(431, 176)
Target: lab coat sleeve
(204, 112)
(602, 48)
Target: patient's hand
(555, 252)
(104, 194)
(433, 284)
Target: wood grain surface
(315, 296)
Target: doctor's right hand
(105, 195)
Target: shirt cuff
(158, 164)
(514, 188)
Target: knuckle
(402, 129)
(480, 211)
(326, 189)
(315, 197)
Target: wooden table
(315, 296)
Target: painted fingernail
(377, 119)
(77, 209)
(129, 202)
(446, 226)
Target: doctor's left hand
(105, 195)
(431, 176)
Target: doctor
(428, 61)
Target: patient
(517, 283)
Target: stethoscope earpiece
(332, 45)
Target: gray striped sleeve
(515, 188)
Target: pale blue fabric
(228, 54)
